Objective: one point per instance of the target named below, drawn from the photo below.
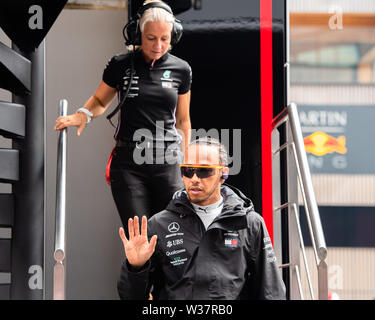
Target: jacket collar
(236, 205)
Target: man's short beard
(209, 196)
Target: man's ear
(225, 174)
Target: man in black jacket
(208, 244)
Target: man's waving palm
(138, 249)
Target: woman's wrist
(86, 112)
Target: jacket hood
(234, 202)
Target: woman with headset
(153, 119)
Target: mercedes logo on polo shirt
(173, 227)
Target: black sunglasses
(201, 171)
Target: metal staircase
(15, 76)
(22, 165)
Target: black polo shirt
(150, 107)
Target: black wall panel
(344, 226)
(5, 260)
(222, 44)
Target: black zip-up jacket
(232, 259)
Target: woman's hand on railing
(78, 120)
(137, 248)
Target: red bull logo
(320, 143)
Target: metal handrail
(307, 185)
(290, 114)
(59, 253)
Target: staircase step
(6, 209)
(12, 120)
(15, 71)
(9, 165)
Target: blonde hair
(155, 14)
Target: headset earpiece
(177, 32)
(225, 173)
(132, 32)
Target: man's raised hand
(137, 248)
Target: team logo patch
(175, 242)
(167, 85)
(176, 261)
(232, 243)
(167, 74)
(173, 227)
(231, 239)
